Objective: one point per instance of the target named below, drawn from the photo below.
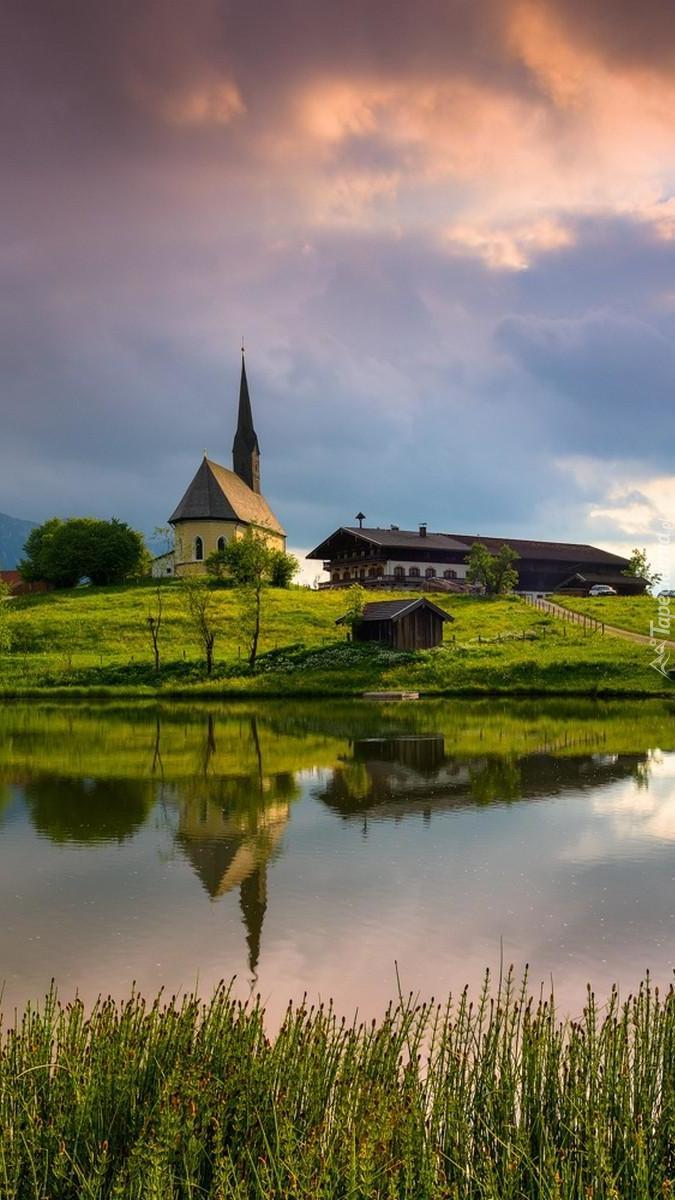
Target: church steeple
(246, 451)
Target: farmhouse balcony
(406, 584)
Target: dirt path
(643, 639)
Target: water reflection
(230, 828)
(399, 776)
(87, 811)
(165, 843)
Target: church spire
(246, 451)
(253, 904)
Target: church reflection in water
(229, 800)
(230, 829)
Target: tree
(164, 535)
(64, 552)
(283, 567)
(479, 566)
(251, 564)
(356, 602)
(198, 602)
(216, 565)
(504, 574)
(494, 572)
(154, 620)
(639, 567)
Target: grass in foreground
(495, 1099)
(95, 641)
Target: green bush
(64, 552)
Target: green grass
(94, 642)
(625, 612)
(491, 1099)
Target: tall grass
(496, 1098)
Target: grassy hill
(13, 534)
(626, 612)
(95, 641)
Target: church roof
(217, 494)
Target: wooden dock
(391, 695)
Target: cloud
(446, 232)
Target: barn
(403, 624)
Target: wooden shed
(404, 624)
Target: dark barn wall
(419, 630)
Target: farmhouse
(418, 559)
(221, 504)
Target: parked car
(667, 592)
(602, 589)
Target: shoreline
(103, 692)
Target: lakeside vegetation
(494, 1098)
(94, 641)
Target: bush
(64, 552)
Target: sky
(446, 231)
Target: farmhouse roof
(407, 539)
(393, 610)
(217, 494)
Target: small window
(345, 575)
(371, 572)
(449, 574)
(362, 572)
(380, 572)
(199, 549)
(336, 576)
(414, 572)
(221, 544)
(430, 573)
(398, 573)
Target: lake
(333, 847)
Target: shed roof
(393, 610)
(217, 494)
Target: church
(221, 504)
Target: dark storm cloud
(442, 230)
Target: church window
(399, 572)
(336, 576)
(221, 544)
(371, 572)
(414, 572)
(345, 574)
(449, 574)
(430, 572)
(380, 572)
(199, 549)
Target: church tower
(246, 451)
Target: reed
(495, 1098)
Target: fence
(590, 624)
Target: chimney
(423, 529)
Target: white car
(602, 589)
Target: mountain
(13, 533)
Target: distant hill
(13, 534)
